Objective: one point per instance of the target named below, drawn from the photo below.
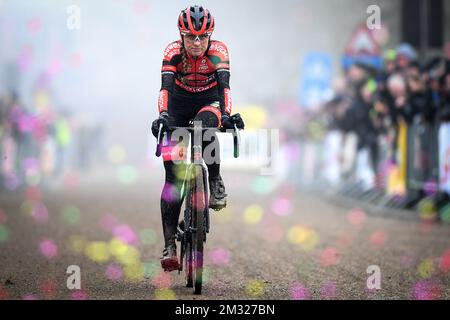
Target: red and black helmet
(195, 20)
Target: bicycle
(192, 230)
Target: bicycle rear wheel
(198, 219)
(189, 266)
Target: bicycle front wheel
(200, 203)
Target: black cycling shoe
(169, 260)
(218, 198)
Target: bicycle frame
(194, 224)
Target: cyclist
(195, 85)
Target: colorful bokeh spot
(79, 295)
(170, 192)
(63, 135)
(114, 272)
(130, 256)
(378, 238)
(78, 243)
(33, 194)
(76, 60)
(282, 206)
(151, 268)
(305, 237)
(427, 210)
(357, 217)
(34, 25)
(40, 213)
(262, 185)
(48, 288)
(444, 261)
(181, 173)
(12, 182)
(48, 248)
(426, 269)
(117, 247)
(25, 57)
(329, 257)
(71, 214)
(117, 154)
(32, 171)
(147, 236)
(253, 214)
(165, 294)
(300, 292)
(316, 129)
(426, 290)
(206, 275)
(328, 290)
(292, 152)
(426, 226)
(255, 288)
(4, 295)
(97, 251)
(4, 234)
(162, 280)
(54, 66)
(134, 271)
(430, 188)
(255, 116)
(220, 256)
(125, 233)
(127, 174)
(445, 213)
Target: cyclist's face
(196, 45)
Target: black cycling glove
(229, 122)
(164, 119)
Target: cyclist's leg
(174, 156)
(210, 117)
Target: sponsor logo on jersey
(203, 66)
(172, 50)
(162, 100)
(221, 49)
(227, 101)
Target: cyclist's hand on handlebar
(229, 122)
(164, 119)
(238, 121)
